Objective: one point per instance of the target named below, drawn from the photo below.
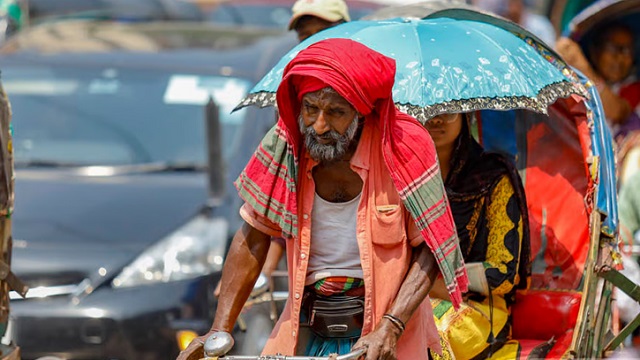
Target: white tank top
(334, 247)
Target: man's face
(310, 25)
(328, 123)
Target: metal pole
(24, 4)
(214, 150)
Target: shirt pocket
(388, 228)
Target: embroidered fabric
(547, 96)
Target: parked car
(116, 230)
(272, 13)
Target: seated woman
(610, 64)
(489, 208)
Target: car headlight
(195, 249)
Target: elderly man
(354, 187)
(312, 16)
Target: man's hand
(381, 342)
(195, 350)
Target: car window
(118, 116)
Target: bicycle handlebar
(354, 355)
(220, 342)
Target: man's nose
(320, 125)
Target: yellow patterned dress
(489, 208)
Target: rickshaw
(567, 311)
(564, 154)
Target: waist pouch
(336, 316)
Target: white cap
(329, 10)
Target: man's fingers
(391, 355)
(361, 345)
(372, 353)
(192, 351)
(358, 346)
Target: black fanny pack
(336, 316)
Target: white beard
(332, 151)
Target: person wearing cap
(312, 16)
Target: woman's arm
(616, 109)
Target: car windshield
(117, 116)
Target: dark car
(130, 10)
(116, 228)
(273, 14)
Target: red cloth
(364, 78)
(631, 93)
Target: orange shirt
(385, 233)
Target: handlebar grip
(353, 355)
(218, 344)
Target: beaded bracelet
(395, 321)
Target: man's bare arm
(381, 343)
(273, 258)
(242, 267)
(417, 284)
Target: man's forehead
(327, 94)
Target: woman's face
(444, 129)
(614, 60)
